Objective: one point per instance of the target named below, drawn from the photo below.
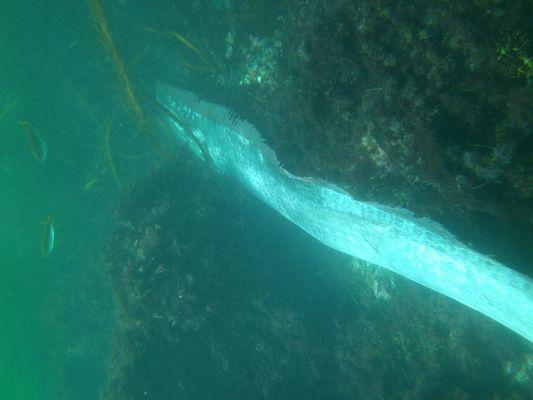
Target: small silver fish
(48, 237)
(37, 144)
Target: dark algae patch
(415, 104)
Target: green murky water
(60, 74)
(54, 310)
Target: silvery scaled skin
(395, 239)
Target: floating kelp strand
(102, 28)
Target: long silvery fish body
(418, 249)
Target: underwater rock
(233, 299)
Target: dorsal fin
(220, 116)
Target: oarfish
(393, 238)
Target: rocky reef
(220, 297)
(425, 105)
(420, 104)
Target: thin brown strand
(107, 153)
(102, 28)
